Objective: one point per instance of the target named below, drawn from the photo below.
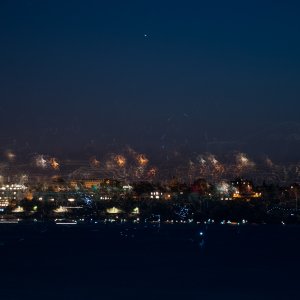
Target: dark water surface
(138, 262)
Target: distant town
(73, 201)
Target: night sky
(215, 76)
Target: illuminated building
(156, 195)
(10, 193)
(244, 189)
(93, 183)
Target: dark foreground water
(138, 262)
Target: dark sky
(208, 75)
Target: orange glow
(120, 160)
(142, 160)
(257, 195)
(29, 196)
(236, 195)
(54, 164)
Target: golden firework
(54, 164)
(142, 160)
(120, 160)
